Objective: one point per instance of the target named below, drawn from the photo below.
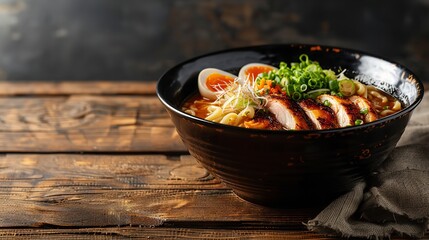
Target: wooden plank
(77, 87)
(157, 233)
(121, 190)
(79, 196)
(163, 233)
(101, 171)
(84, 123)
(83, 207)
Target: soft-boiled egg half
(252, 70)
(212, 80)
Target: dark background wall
(139, 40)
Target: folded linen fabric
(395, 200)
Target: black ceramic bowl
(291, 168)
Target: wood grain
(84, 123)
(77, 88)
(81, 196)
(74, 190)
(157, 233)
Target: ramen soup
(296, 96)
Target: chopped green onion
(358, 122)
(314, 93)
(333, 85)
(290, 88)
(301, 80)
(284, 82)
(311, 68)
(296, 88)
(385, 107)
(327, 103)
(296, 96)
(303, 58)
(347, 87)
(330, 74)
(364, 111)
(312, 83)
(301, 77)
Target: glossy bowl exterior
(290, 168)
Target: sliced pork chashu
(365, 108)
(346, 112)
(263, 120)
(289, 113)
(322, 116)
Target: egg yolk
(216, 81)
(253, 72)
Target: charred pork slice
(365, 108)
(264, 120)
(346, 112)
(289, 113)
(322, 116)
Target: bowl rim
(406, 110)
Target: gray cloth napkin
(396, 200)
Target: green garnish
(347, 87)
(333, 85)
(327, 103)
(303, 79)
(385, 107)
(364, 111)
(314, 93)
(296, 96)
(358, 122)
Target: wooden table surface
(103, 160)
